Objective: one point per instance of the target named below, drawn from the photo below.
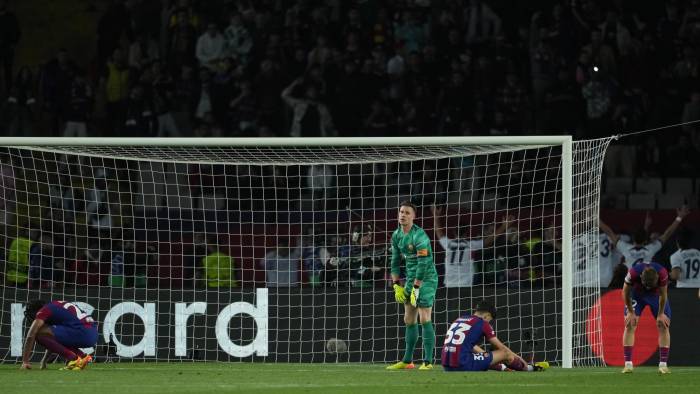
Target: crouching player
(62, 328)
(646, 284)
(461, 352)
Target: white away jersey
(634, 254)
(688, 261)
(584, 254)
(459, 268)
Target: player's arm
(399, 293)
(29, 343)
(439, 229)
(424, 259)
(497, 344)
(647, 222)
(507, 220)
(395, 260)
(609, 232)
(675, 273)
(680, 214)
(478, 349)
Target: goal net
(278, 250)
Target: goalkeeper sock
(53, 346)
(428, 342)
(411, 340)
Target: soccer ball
(335, 345)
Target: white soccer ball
(335, 345)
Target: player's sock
(517, 365)
(78, 352)
(663, 355)
(428, 342)
(411, 340)
(52, 345)
(628, 353)
(498, 367)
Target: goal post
(254, 196)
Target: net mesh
(282, 253)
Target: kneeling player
(646, 284)
(61, 328)
(461, 352)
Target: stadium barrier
(264, 325)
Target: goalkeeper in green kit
(412, 245)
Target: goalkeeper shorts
(426, 296)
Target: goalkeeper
(412, 245)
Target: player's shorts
(477, 362)
(75, 335)
(426, 296)
(640, 302)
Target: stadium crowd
(361, 68)
(315, 68)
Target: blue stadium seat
(641, 201)
(679, 185)
(619, 185)
(671, 200)
(649, 185)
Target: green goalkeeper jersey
(414, 248)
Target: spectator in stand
(79, 107)
(163, 92)
(238, 42)
(243, 111)
(311, 117)
(140, 119)
(116, 80)
(282, 265)
(55, 85)
(210, 47)
(9, 37)
(143, 51)
(511, 100)
(17, 266)
(482, 23)
(266, 86)
(219, 268)
(8, 196)
(380, 121)
(598, 95)
(111, 28)
(20, 109)
(41, 263)
(183, 41)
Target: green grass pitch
(336, 378)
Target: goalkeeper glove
(399, 293)
(415, 293)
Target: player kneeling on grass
(647, 284)
(461, 352)
(62, 328)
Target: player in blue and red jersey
(461, 351)
(647, 284)
(62, 328)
